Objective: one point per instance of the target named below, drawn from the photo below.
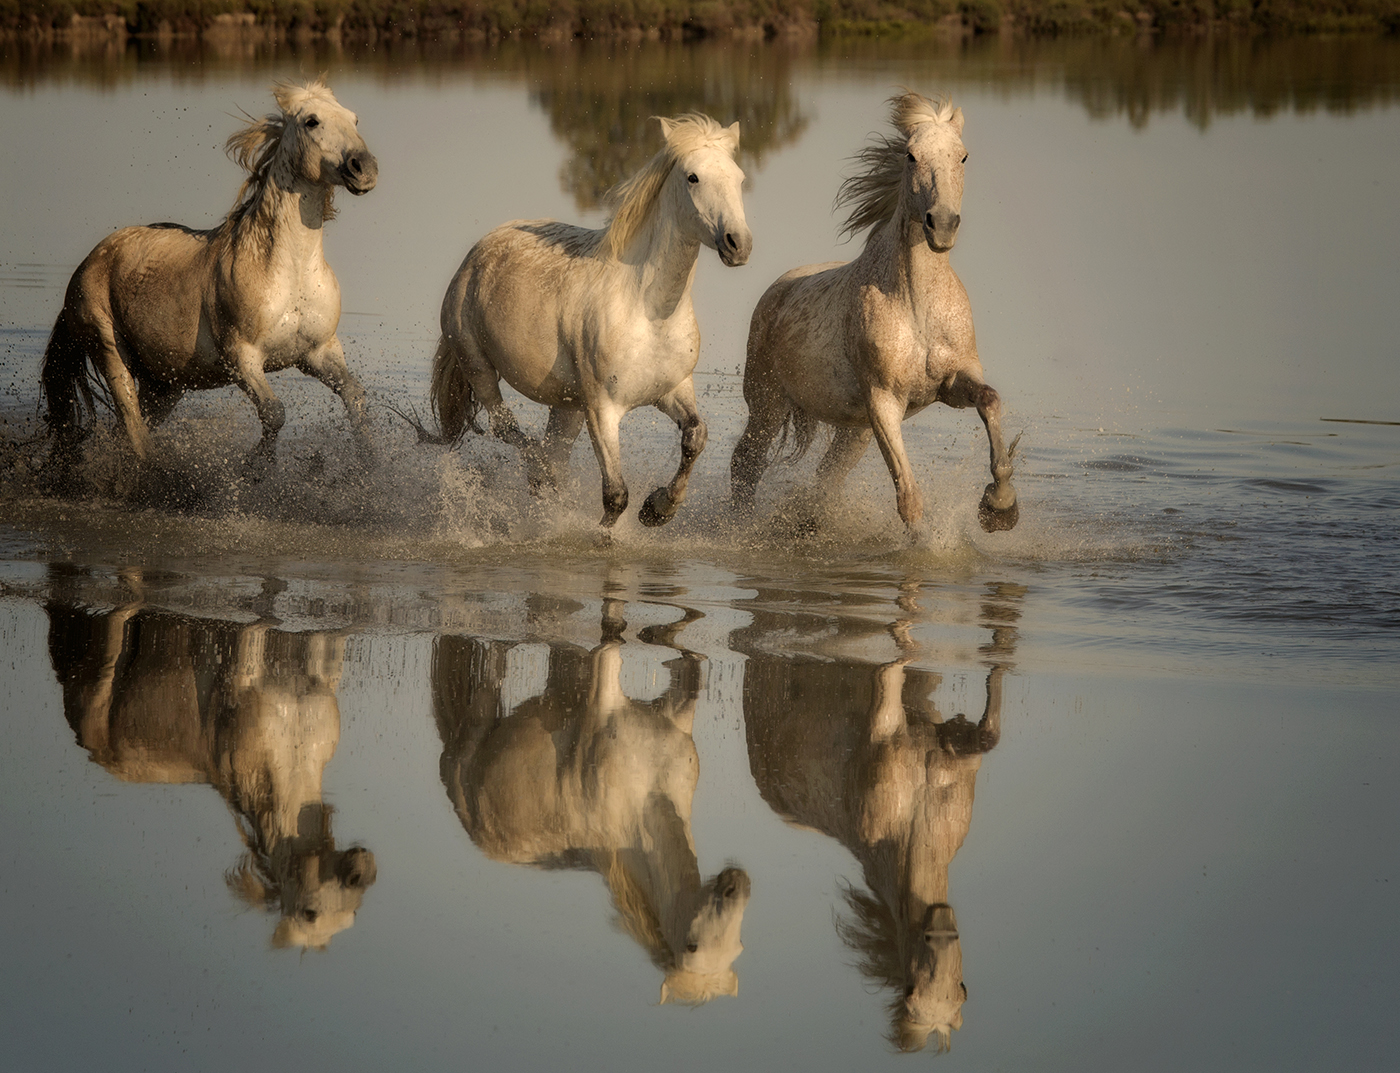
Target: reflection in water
(159, 697)
(601, 102)
(583, 776)
(860, 753)
(593, 91)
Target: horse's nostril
(310, 916)
(355, 165)
(729, 241)
(955, 221)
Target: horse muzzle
(359, 171)
(941, 230)
(734, 244)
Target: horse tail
(799, 429)
(69, 388)
(454, 403)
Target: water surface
(1152, 729)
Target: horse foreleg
(327, 364)
(998, 508)
(603, 422)
(562, 429)
(680, 407)
(886, 411)
(271, 413)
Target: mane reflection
(582, 776)
(159, 697)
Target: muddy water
(1123, 773)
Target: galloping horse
(863, 344)
(596, 323)
(582, 776)
(163, 309)
(156, 697)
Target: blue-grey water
(1173, 687)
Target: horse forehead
(935, 137)
(302, 100)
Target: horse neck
(287, 217)
(663, 258)
(667, 856)
(903, 260)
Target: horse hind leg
(680, 407)
(157, 400)
(565, 423)
(768, 411)
(477, 383)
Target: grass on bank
(690, 18)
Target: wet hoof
(993, 520)
(657, 510)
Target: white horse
(156, 697)
(582, 776)
(596, 323)
(861, 345)
(160, 310)
(858, 753)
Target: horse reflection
(582, 776)
(162, 698)
(860, 753)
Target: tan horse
(596, 323)
(160, 310)
(864, 344)
(582, 776)
(156, 697)
(858, 753)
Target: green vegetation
(676, 19)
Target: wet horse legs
(681, 408)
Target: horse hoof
(997, 521)
(657, 510)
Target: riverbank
(674, 19)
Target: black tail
(69, 388)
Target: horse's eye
(312, 122)
(310, 916)
(692, 177)
(692, 947)
(911, 158)
(964, 159)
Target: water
(1177, 676)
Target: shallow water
(1177, 676)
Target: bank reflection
(860, 752)
(159, 697)
(580, 775)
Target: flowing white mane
(873, 193)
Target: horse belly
(155, 291)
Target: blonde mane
(873, 193)
(255, 148)
(873, 933)
(635, 199)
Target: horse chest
(302, 317)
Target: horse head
(708, 185)
(934, 991)
(933, 166)
(701, 966)
(320, 141)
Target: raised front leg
(327, 364)
(998, 510)
(604, 418)
(886, 416)
(680, 407)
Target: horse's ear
(733, 131)
(956, 119)
(731, 986)
(665, 987)
(667, 125)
